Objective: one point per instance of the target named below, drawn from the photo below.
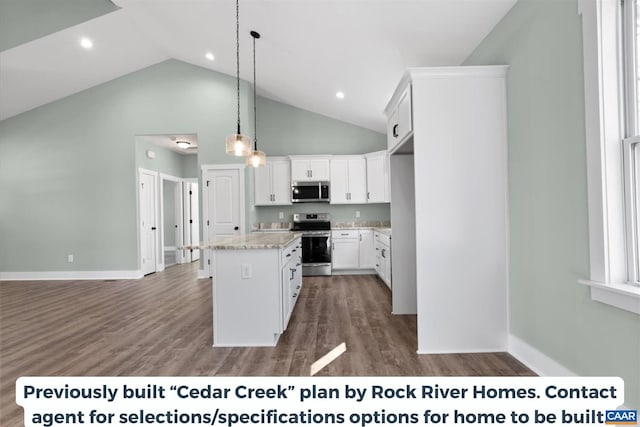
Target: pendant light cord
(238, 59)
(255, 116)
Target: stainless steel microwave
(310, 191)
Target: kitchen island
(256, 283)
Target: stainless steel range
(316, 243)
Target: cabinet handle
(368, 196)
(361, 237)
(298, 287)
(383, 255)
(377, 265)
(344, 234)
(295, 295)
(288, 255)
(395, 130)
(298, 265)
(293, 271)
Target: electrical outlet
(357, 214)
(281, 215)
(246, 271)
(70, 258)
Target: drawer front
(345, 234)
(293, 251)
(382, 238)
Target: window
(610, 33)
(631, 144)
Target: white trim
(621, 295)
(71, 275)
(535, 360)
(458, 351)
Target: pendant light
(257, 158)
(238, 144)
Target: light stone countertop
(383, 230)
(255, 241)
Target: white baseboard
(352, 272)
(71, 275)
(537, 361)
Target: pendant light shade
(238, 144)
(257, 158)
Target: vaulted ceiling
(309, 49)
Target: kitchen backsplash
(339, 213)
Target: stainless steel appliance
(311, 191)
(316, 242)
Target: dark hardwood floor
(161, 326)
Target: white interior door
(191, 220)
(148, 226)
(224, 203)
(195, 219)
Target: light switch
(357, 214)
(70, 258)
(246, 271)
(281, 215)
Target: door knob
(153, 228)
(236, 228)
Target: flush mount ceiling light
(210, 56)
(86, 43)
(340, 95)
(257, 158)
(183, 144)
(238, 144)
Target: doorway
(147, 191)
(223, 204)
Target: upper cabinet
(399, 119)
(309, 168)
(348, 179)
(378, 177)
(272, 183)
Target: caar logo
(622, 417)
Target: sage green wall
(166, 161)
(68, 169)
(287, 130)
(24, 20)
(541, 41)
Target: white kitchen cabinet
(378, 177)
(291, 281)
(272, 183)
(345, 254)
(400, 119)
(367, 254)
(449, 207)
(348, 180)
(306, 168)
(382, 248)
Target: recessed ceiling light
(210, 56)
(183, 144)
(86, 43)
(340, 95)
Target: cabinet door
(262, 185)
(392, 129)
(405, 124)
(319, 169)
(339, 181)
(280, 182)
(300, 170)
(376, 178)
(367, 254)
(345, 254)
(385, 254)
(357, 181)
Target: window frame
(604, 85)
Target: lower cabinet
(352, 250)
(382, 248)
(291, 280)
